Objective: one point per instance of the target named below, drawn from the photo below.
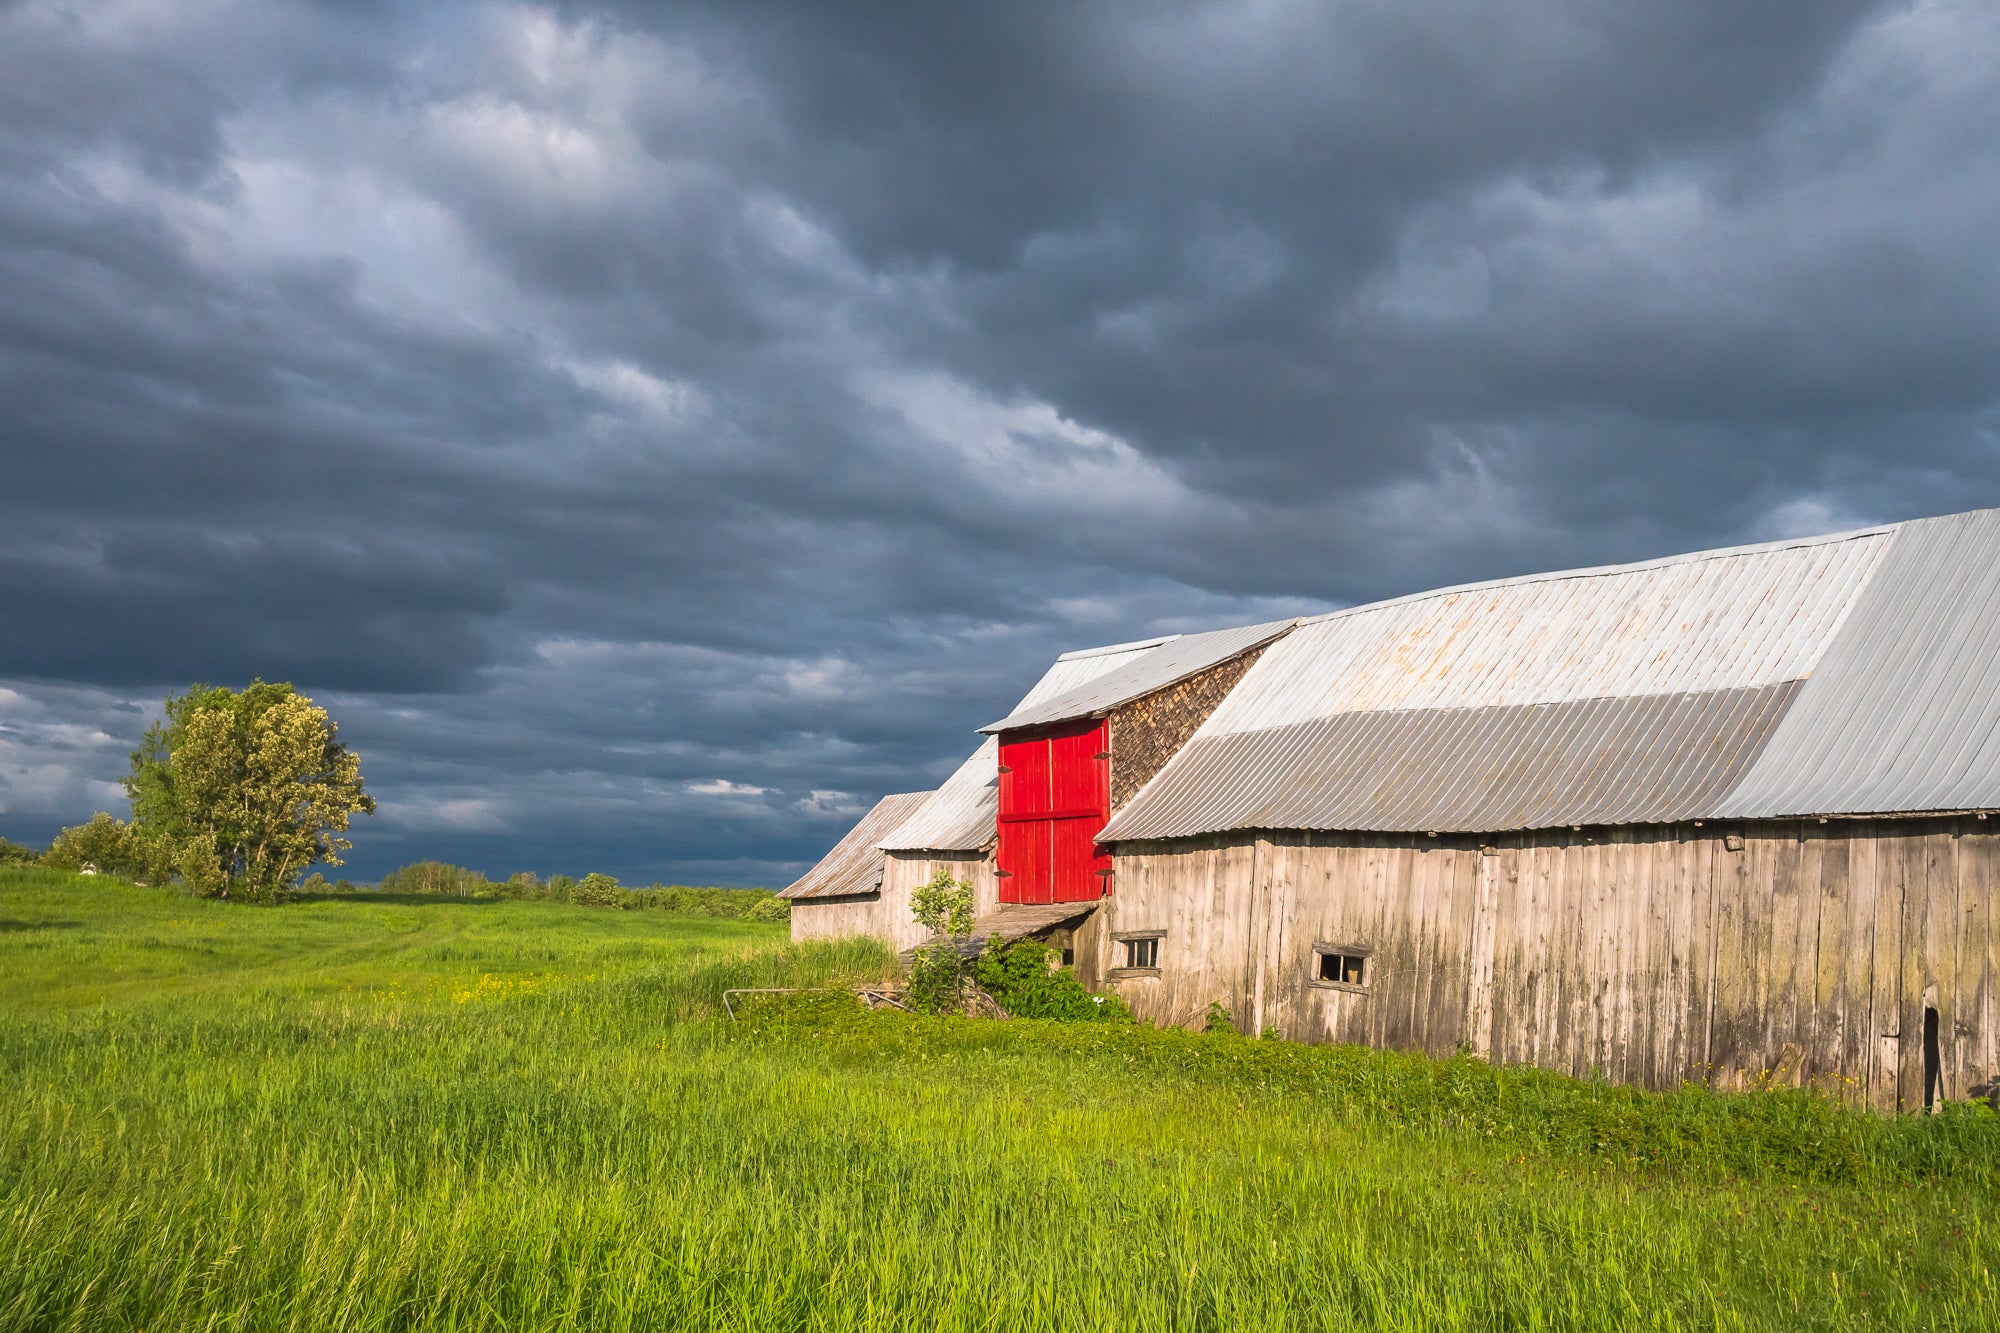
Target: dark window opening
(1142, 953)
(1933, 1070)
(1347, 969)
(1069, 958)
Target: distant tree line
(237, 793)
(441, 879)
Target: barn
(1719, 817)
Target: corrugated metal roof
(855, 863)
(1857, 673)
(1650, 758)
(1630, 694)
(960, 814)
(1139, 674)
(1903, 712)
(1712, 620)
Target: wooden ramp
(1012, 921)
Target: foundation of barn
(1859, 957)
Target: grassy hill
(364, 1113)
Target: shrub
(558, 888)
(105, 844)
(14, 854)
(1020, 976)
(731, 903)
(595, 890)
(944, 907)
(773, 908)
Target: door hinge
(1005, 769)
(1102, 754)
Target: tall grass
(395, 1115)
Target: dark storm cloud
(657, 430)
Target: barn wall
(1150, 730)
(1652, 955)
(886, 914)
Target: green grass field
(355, 1113)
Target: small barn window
(1137, 954)
(1340, 966)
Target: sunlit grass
(365, 1114)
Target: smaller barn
(842, 894)
(1017, 819)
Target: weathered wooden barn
(1721, 817)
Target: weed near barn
(382, 1114)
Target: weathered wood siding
(1149, 730)
(1793, 952)
(886, 914)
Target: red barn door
(1055, 796)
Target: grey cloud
(599, 404)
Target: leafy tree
(595, 890)
(105, 844)
(241, 790)
(14, 854)
(944, 907)
(438, 878)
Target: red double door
(1055, 797)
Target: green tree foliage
(1024, 978)
(14, 854)
(743, 904)
(772, 908)
(444, 879)
(938, 970)
(104, 844)
(437, 878)
(595, 890)
(241, 790)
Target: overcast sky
(656, 431)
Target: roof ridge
(1606, 571)
(1076, 654)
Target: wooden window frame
(1365, 952)
(1123, 937)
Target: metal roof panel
(1640, 759)
(1140, 674)
(854, 865)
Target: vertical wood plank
(1545, 971)
(1418, 879)
(1571, 1033)
(1885, 1089)
(1940, 949)
(1833, 1055)
(1653, 1007)
(1691, 893)
(1977, 964)
(1510, 962)
(1782, 1004)
(1479, 991)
